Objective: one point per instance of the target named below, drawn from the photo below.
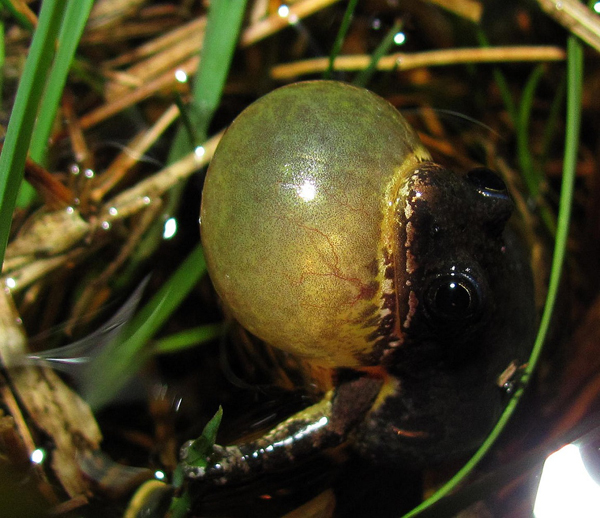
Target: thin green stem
(222, 30)
(20, 127)
(341, 35)
(73, 23)
(526, 163)
(365, 75)
(574, 91)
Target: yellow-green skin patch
(298, 213)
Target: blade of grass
(222, 31)
(341, 35)
(531, 176)
(574, 92)
(109, 372)
(552, 120)
(20, 127)
(188, 338)
(18, 15)
(2, 57)
(519, 116)
(365, 75)
(73, 23)
(501, 82)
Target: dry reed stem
(575, 17)
(403, 61)
(132, 153)
(141, 195)
(8, 399)
(258, 11)
(250, 35)
(164, 81)
(50, 404)
(127, 31)
(81, 152)
(33, 270)
(468, 9)
(57, 232)
(275, 23)
(153, 66)
(21, 7)
(99, 284)
(159, 44)
(107, 13)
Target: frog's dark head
(451, 250)
(464, 301)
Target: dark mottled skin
(448, 398)
(437, 395)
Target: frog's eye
(488, 183)
(453, 299)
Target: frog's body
(329, 232)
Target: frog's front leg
(323, 425)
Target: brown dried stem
(575, 17)
(469, 9)
(403, 61)
(132, 153)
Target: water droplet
(146, 200)
(37, 456)
(70, 210)
(399, 38)
(89, 173)
(105, 225)
(74, 169)
(170, 228)
(113, 211)
(10, 283)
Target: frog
(330, 233)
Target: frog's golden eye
(453, 300)
(488, 182)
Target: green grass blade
(552, 121)
(2, 57)
(23, 20)
(574, 95)
(574, 92)
(20, 127)
(121, 359)
(201, 448)
(365, 75)
(501, 82)
(341, 35)
(188, 338)
(74, 21)
(526, 163)
(222, 31)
